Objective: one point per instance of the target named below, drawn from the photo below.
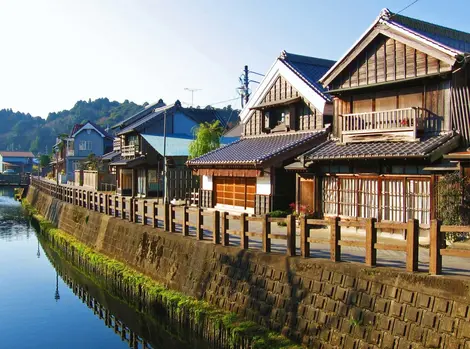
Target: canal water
(47, 303)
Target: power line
(403, 9)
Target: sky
(55, 52)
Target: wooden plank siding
(384, 60)
(460, 105)
(307, 117)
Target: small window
(85, 145)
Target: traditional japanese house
(287, 115)
(401, 102)
(140, 148)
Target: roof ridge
(266, 135)
(305, 59)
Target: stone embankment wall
(318, 302)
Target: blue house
(18, 161)
(139, 151)
(85, 139)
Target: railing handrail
(379, 111)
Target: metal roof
(176, 145)
(258, 149)
(332, 150)
(16, 154)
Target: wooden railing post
(115, 206)
(166, 215)
(185, 226)
(154, 214)
(243, 230)
(216, 228)
(371, 239)
(144, 218)
(335, 238)
(172, 219)
(123, 207)
(291, 236)
(106, 204)
(304, 236)
(224, 221)
(199, 221)
(435, 257)
(131, 209)
(266, 234)
(412, 245)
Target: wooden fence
(183, 219)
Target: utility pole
(192, 90)
(246, 82)
(244, 89)
(165, 167)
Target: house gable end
(386, 59)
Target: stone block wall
(317, 302)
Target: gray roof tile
(310, 69)
(332, 150)
(258, 149)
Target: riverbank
(224, 329)
(310, 300)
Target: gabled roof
(441, 42)
(257, 150)
(302, 72)
(16, 154)
(75, 128)
(195, 114)
(145, 111)
(424, 148)
(97, 128)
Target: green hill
(20, 131)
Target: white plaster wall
(263, 185)
(207, 183)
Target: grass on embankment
(237, 328)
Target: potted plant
(303, 211)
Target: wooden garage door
(235, 191)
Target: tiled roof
(143, 120)
(144, 111)
(310, 69)
(75, 128)
(455, 39)
(331, 150)
(258, 149)
(111, 155)
(19, 154)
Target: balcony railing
(396, 124)
(117, 144)
(70, 152)
(129, 151)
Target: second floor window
(85, 145)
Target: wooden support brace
(167, 215)
(172, 219)
(304, 236)
(185, 220)
(224, 228)
(216, 228)
(199, 221)
(154, 214)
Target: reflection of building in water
(126, 334)
(56, 295)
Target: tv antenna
(192, 90)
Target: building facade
(17, 161)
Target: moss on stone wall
(229, 329)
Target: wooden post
(166, 215)
(115, 206)
(266, 234)
(185, 226)
(123, 207)
(304, 235)
(106, 204)
(216, 228)
(131, 209)
(199, 221)
(144, 218)
(243, 231)
(290, 220)
(154, 214)
(412, 245)
(224, 221)
(371, 239)
(172, 219)
(335, 238)
(435, 258)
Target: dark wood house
(140, 147)
(287, 115)
(401, 102)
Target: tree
(206, 138)
(44, 160)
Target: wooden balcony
(117, 144)
(129, 151)
(388, 125)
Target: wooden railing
(116, 144)
(402, 123)
(129, 151)
(220, 226)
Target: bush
(279, 214)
